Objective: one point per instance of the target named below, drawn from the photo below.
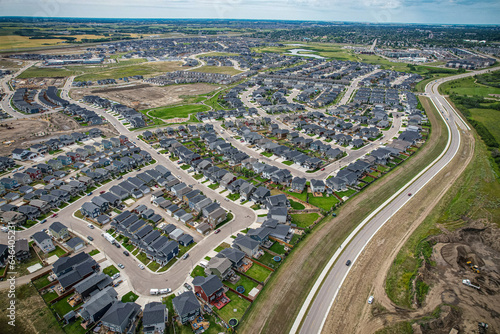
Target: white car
(141, 266)
(370, 300)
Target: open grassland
(218, 69)
(490, 118)
(182, 111)
(12, 42)
(32, 314)
(469, 87)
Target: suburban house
(246, 244)
(219, 266)
(209, 288)
(154, 316)
(187, 306)
(97, 305)
(121, 317)
(44, 242)
(58, 230)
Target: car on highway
(185, 256)
(141, 266)
(348, 263)
(121, 266)
(217, 231)
(54, 215)
(126, 253)
(90, 238)
(370, 300)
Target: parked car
(120, 177)
(121, 266)
(115, 276)
(217, 231)
(118, 283)
(323, 169)
(54, 215)
(141, 266)
(89, 194)
(102, 192)
(348, 263)
(409, 194)
(43, 221)
(188, 286)
(126, 253)
(90, 238)
(91, 226)
(185, 256)
(118, 245)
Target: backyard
(258, 272)
(324, 202)
(247, 283)
(237, 303)
(304, 220)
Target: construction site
(145, 96)
(14, 133)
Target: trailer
(109, 238)
(468, 283)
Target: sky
(376, 11)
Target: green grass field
(490, 118)
(182, 111)
(468, 86)
(129, 297)
(217, 69)
(198, 271)
(296, 205)
(110, 271)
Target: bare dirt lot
(23, 133)
(39, 83)
(145, 96)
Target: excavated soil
(145, 96)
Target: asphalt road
(320, 306)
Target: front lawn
(184, 167)
(221, 247)
(198, 176)
(258, 272)
(129, 297)
(304, 220)
(296, 205)
(233, 197)
(247, 283)
(110, 271)
(267, 154)
(288, 163)
(154, 266)
(198, 271)
(214, 186)
(237, 303)
(143, 258)
(324, 203)
(94, 252)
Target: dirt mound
(449, 317)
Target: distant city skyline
(375, 11)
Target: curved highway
(314, 311)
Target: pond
(296, 53)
